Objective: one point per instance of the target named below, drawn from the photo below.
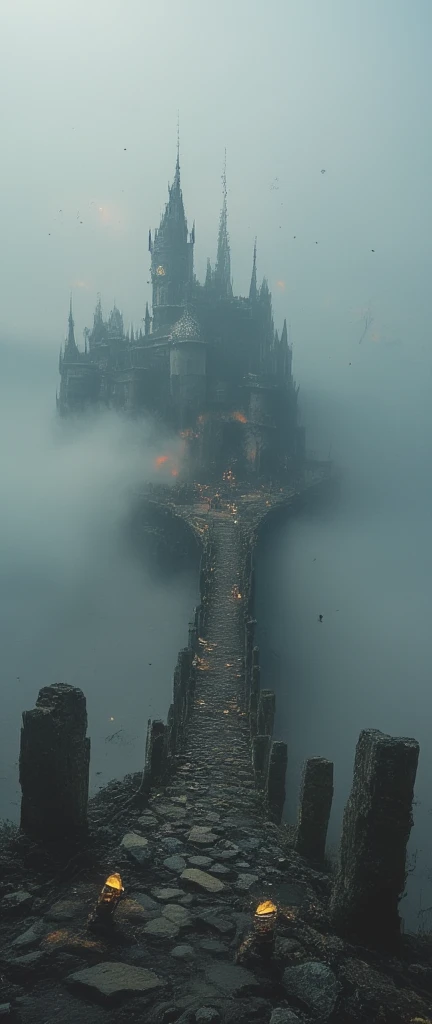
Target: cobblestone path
(218, 748)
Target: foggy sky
(288, 88)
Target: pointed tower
(222, 272)
(171, 259)
(209, 275)
(71, 353)
(285, 353)
(147, 320)
(253, 290)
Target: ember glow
(268, 907)
(239, 417)
(161, 460)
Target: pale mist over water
(366, 566)
(77, 605)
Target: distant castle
(209, 364)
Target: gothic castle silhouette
(209, 364)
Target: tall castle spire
(71, 353)
(222, 272)
(253, 290)
(171, 257)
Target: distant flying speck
(316, 243)
(124, 150)
(323, 171)
(372, 250)
(294, 236)
(320, 618)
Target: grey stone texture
(275, 793)
(316, 796)
(376, 826)
(54, 765)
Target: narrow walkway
(218, 747)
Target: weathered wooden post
(376, 827)
(275, 790)
(54, 765)
(315, 805)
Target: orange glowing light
(174, 472)
(281, 285)
(161, 459)
(267, 907)
(239, 417)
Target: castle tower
(171, 259)
(187, 369)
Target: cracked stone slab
(202, 835)
(232, 980)
(162, 928)
(183, 952)
(284, 1016)
(166, 894)
(14, 902)
(63, 910)
(148, 821)
(174, 812)
(175, 863)
(30, 937)
(200, 862)
(315, 985)
(202, 881)
(245, 882)
(137, 847)
(111, 982)
(178, 915)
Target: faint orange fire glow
(239, 417)
(281, 285)
(161, 459)
(267, 907)
(174, 472)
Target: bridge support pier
(376, 827)
(316, 797)
(54, 765)
(275, 790)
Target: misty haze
(321, 108)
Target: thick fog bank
(366, 566)
(77, 604)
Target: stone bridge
(220, 724)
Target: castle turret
(71, 353)
(171, 259)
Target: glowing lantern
(110, 895)
(265, 923)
